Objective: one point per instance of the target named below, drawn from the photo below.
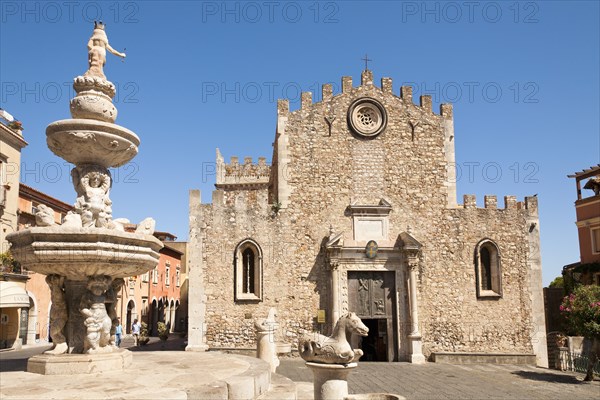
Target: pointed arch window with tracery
(248, 271)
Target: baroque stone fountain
(87, 257)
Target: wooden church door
(371, 297)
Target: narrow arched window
(248, 274)
(487, 269)
(248, 271)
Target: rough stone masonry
(365, 167)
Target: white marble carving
(58, 314)
(44, 216)
(92, 183)
(97, 321)
(336, 348)
(97, 46)
(146, 227)
(94, 91)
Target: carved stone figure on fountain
(111, 305)
(92, 184)
(97, 46)
(94, 91)
(98, 323)
(44, 216)
(336, 348)
(58, 314)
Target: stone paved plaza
(426, 381)
(443, 381)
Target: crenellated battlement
(245, 174)
(386, 86)
(490, 202)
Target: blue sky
(523, 77)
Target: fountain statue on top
(87, 257)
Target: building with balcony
(587, 211)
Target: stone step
(252, 384)
(281, 388)
(483, 358)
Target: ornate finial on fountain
(94, 91)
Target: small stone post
(330, 380)
(266, 349)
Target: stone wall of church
(234, 216)
(452, 317)
(328, 168)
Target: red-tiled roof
(26, 190)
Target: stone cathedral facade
(358, 212)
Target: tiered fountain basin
(77, 253)
(88, 141)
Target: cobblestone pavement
(442, 381)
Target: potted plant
(581, 310)
(144, 339)
(163, 333)
(8, 264)
(16, 125)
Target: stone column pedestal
(416, 356)
(330, 380)
(266, 349)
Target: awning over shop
(13, 295)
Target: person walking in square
(135, 331)
(118, 333)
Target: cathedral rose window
(367, 117)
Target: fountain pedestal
(330, 380)
(75, 364)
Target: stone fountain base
(165, 375)
(76, 364)
(330, 380)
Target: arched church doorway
(370, 296)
